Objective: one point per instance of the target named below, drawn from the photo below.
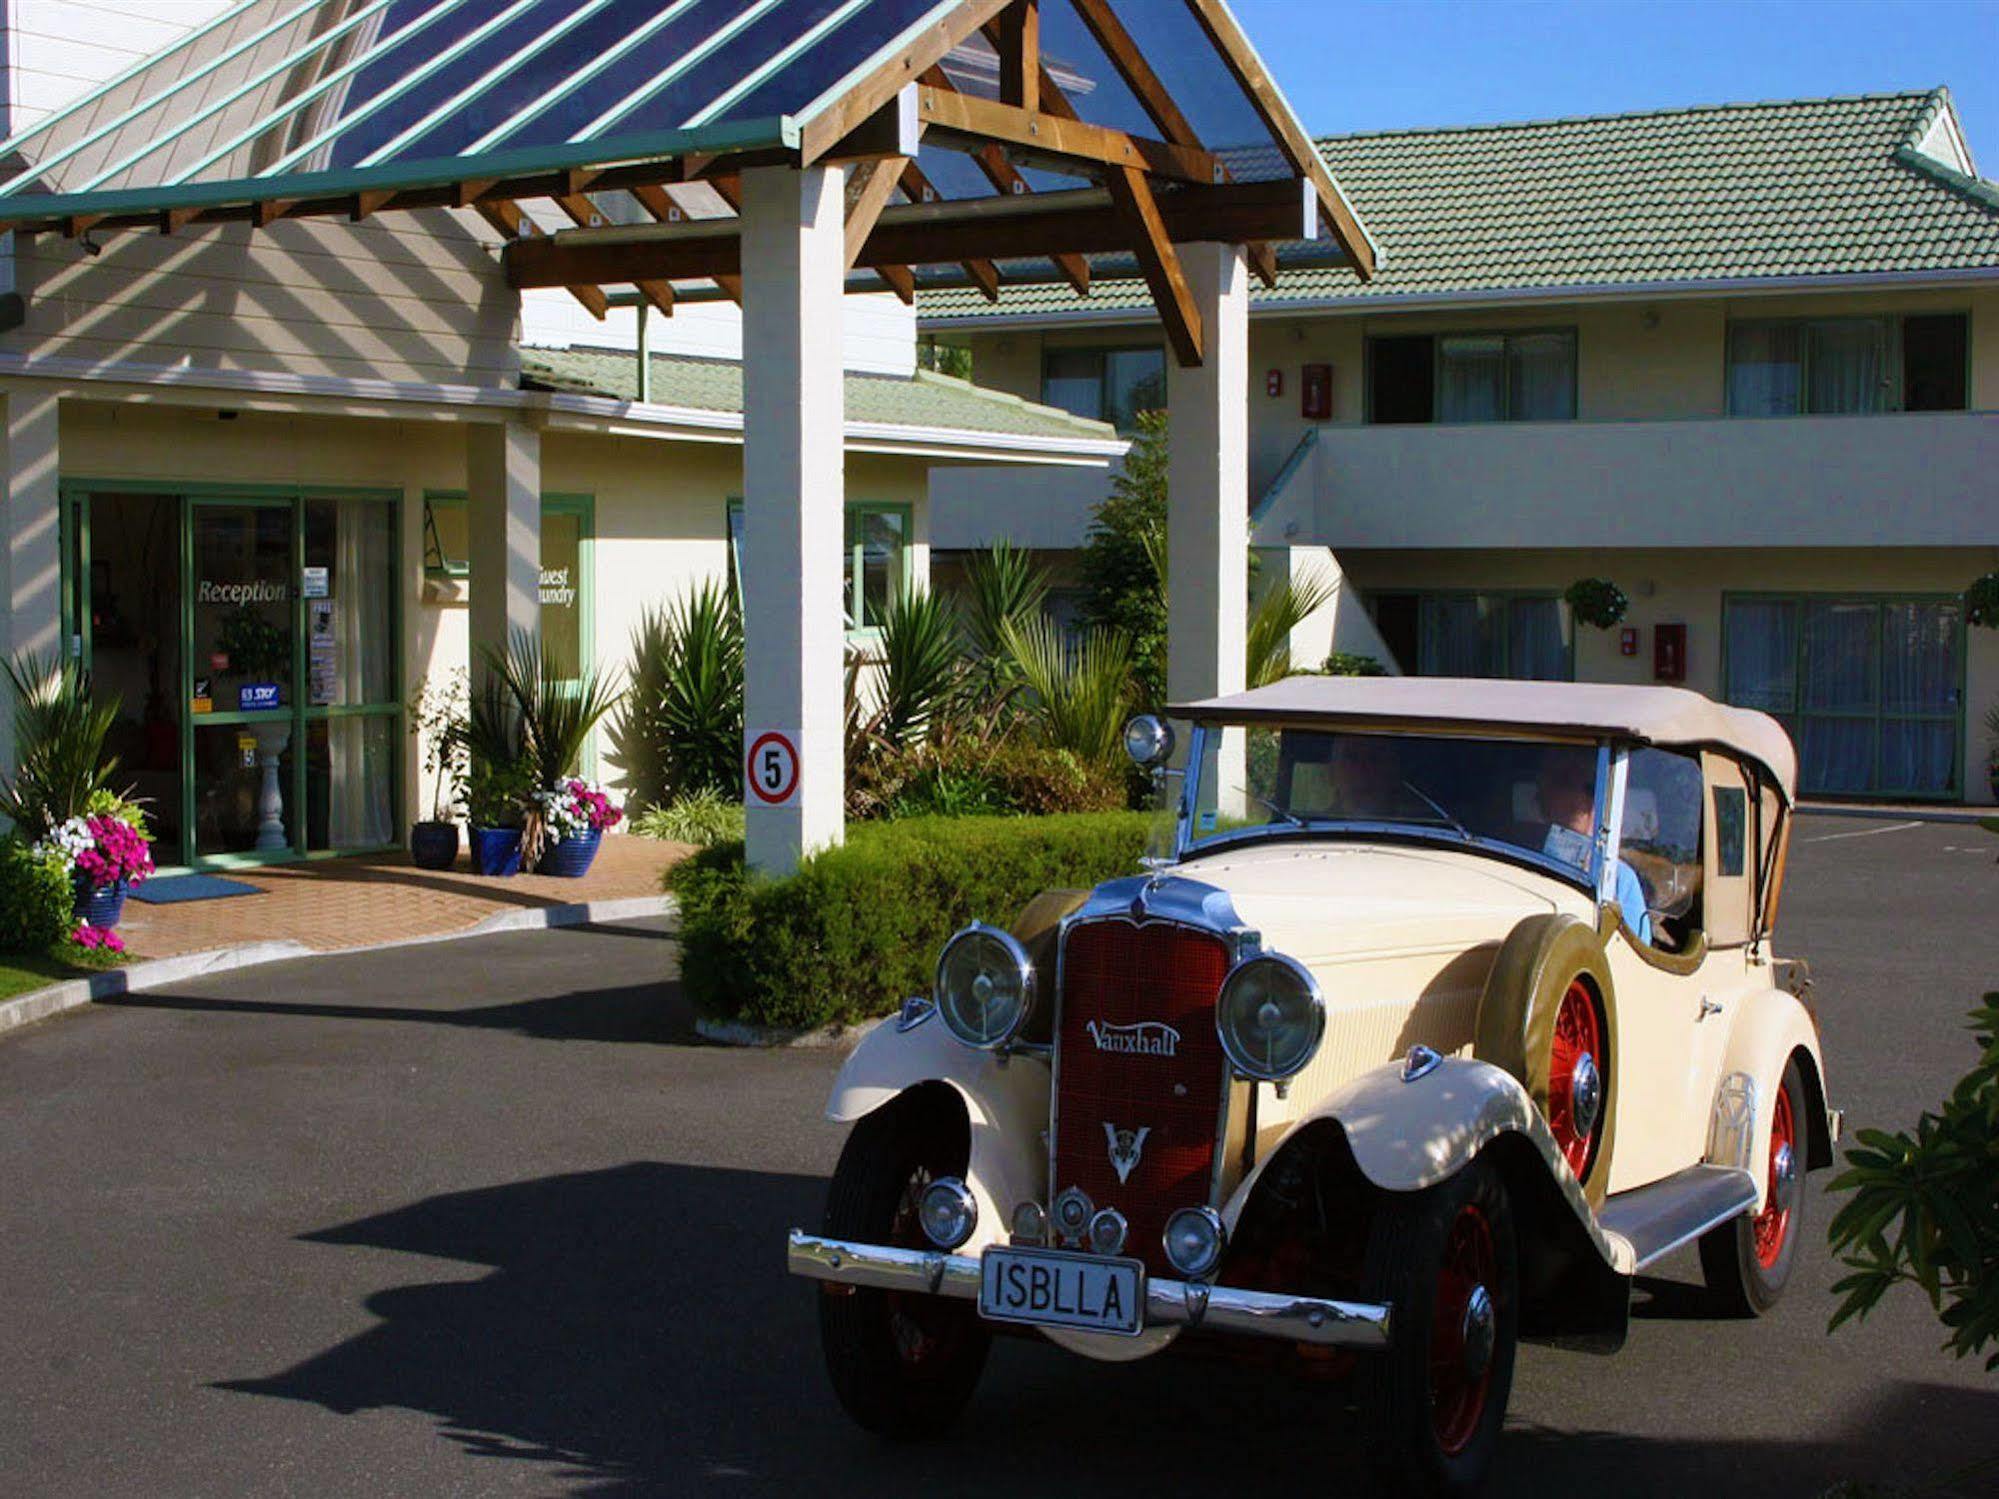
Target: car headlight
(1270, 1017)
(985, 986)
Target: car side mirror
(1148, 740)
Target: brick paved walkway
(335, 903)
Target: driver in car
(1568, 801)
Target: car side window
(1661, 841)
(1731, 829)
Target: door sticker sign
(770, 769)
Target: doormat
(179, 887)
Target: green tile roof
(1809, 187)
(922, 400)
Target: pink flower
(99, 938)
(117, 852)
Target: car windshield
(1528, 796)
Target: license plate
(1051, 1287)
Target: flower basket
(496, 851)
(570, 856)
(100, 905)
(1597, 601)
(1981, 602)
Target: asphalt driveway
(479, 1218)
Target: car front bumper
(1168, 1303)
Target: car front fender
(1406, 1136)
(1006, 1105)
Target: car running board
(1657, 1219)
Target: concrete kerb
(39, 1004)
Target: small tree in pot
(438, 716)
(551, 712)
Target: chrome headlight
(1270, 1017)
(985, 986)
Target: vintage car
(1451, 1007)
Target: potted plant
(1596, 601)
(575, 816)
(496, 801)
(551, 711)
(438, 715)
(106, 853)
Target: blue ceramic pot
(570, 858)
(496, 851)
(434, 845)
(101, 906)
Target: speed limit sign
(770, 767)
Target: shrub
(1923, 1210)
(703, 818)
(1124, 582)
(1079, 695)
(922, 664)
(963, 778)
(1353, 664)
(36, 900)
(858, 927)
(680, 728)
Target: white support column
(503, 534)
(794, 495)
(31, 568)
(1207, 487)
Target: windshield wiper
(1284, 812)
(1438, 807)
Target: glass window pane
(1762, 648)
(1848, 364)
(1842, 645)
(1536, 647)
(242, 608)
(350, 588)
(1764, 369)
(1456, 637)
(446, 542)
(350, 773)
(1471, 379)
(562, 591)
(1919, 658)
(1073, 379)
(1134, 381)
(1836, 755)
(1541, 377)
(877, 550)
(243, 786)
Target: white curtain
(1848, 367)
(1919, 676)
(1762, 637)
(1541, 377)
(1764, 369)
(1536, 647)
(1471, 379)
(358, 795)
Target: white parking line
(1898, 827)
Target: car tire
(1748, 1261)
(903, 1364)
(1435, 1402)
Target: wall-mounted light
(90, 246)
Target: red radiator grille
(1126, 990)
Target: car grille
(1137, 1050)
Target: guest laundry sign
(556, 588)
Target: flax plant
(1078, 694)
(59, 733)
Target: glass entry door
(1871, 689)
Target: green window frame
(439, 563)
(1877, 713)
(861, 617)
(1508, 341)
(1807, 336)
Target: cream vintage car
(1452, 1007)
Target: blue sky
(1385, 64)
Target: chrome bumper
(1168, 1303)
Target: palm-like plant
(922, 663)
(679, 730)
(1078, 693)
(555, 712)
(59, 733)
(1003, 584)
(1281, 610)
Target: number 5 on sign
(770, 767)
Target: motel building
(341, 339)
(1741, 361)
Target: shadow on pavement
(637, 1335)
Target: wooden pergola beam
(512, 223)
(1158, 262)
(1020, 55)
(875, 183)
(1248, 72)
(983, 273)
(586, 215)
(1083, 221)
(654, 200)
(1065, 143)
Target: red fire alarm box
(1627, 641)
(1669, 653)
(1273, 383)
(1315, 393)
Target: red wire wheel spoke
(1773, 1225)
(1577, 1035)
(1457, 1392)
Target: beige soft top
(1649, 715)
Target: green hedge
(857, 929)
(35, 900)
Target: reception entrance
(248, 638)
